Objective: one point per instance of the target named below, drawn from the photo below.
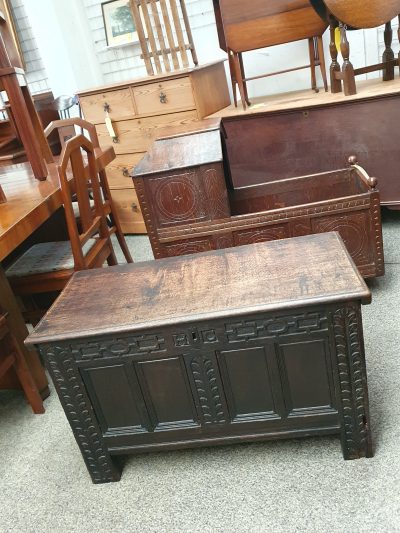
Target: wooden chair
(159, 24)
(11, 356)
(47, 267)
(66, 130)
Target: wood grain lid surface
(269, 276)
(185, 151)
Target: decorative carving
(189, 247)
(151, 231)
(353, 387)
(118, 347)
(216, 193)
(223, 241)
(80, 414)
(247, 330)
(352, 230)
(270, 233)
(209, 396)
(178, 198)
(377, 228)
(208, 336)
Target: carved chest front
(190, 352)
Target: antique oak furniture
(162, 27)
(214, 348)
(357, 14)
(190, 205)
(66, 129)
(259, 24)
(31, 205)
(274, 138)
(138, 109)
(11, 356)
(47, 267)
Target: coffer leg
(238, 76)
(244, 78)
(101, 465)
(233, 77)
(352, 383)
(311, 50)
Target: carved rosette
(80, 414)
(353, 383)
(208, 392)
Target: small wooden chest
(257, 342)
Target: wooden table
(257, 342)
(30, 203)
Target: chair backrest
(164, 33)
(92, 218)
(70, 127)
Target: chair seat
(46, 257)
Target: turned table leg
(349, 81)
(388, 54)
(354, 410)
(336, 84)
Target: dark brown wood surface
(272, 145)
(176, 290)
(181, 152)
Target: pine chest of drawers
(262, 341)
(139, 109)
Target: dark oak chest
(242, 344)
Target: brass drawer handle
(106, 107)
(163, 98)
(115, 139)
(125, 172)
(135, 207)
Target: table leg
(354, 409)
(20, 332)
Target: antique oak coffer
(262, 341)
(190, 203)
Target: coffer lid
(262, 277)
(182, 151)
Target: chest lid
(268, 276)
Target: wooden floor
(308, 98)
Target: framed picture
(118, 23)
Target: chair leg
(112, 259)
(124, 246)
(311, 49)
(336, 84)
(28, 385)
(321, 58)
(388, 54)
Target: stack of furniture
(217, 348)
(191, 206)
(138, 110)
(260, 24)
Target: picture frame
(119, 24)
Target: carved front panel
(191, 246)
(355, 230)
(261, 234)
(177, 199)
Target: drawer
(117, 171)
(128, 210)
(119, 103)
(164, 97)
(137, 135)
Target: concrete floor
(286, 486)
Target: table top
(30, 202)
(263, 277)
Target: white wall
(71, 39)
